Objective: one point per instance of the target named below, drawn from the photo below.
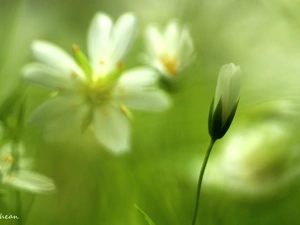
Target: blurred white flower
(22, 177)
(97, 91)
(225, 101)
(170, 51)
(257, 160)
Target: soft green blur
(160, 173)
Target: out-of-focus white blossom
(256, 160)
(20, 176)
(169, 51)
(94, 92)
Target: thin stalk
(26, 212)
(19, 208)
(212, 142)
(15, 168)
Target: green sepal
(83, 62)
(210, 115)
(147, 218)
(229, 120)
(215, 120)
(217, 127)
(114, 75)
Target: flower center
(170, 63)
(6, 164)
(98, 91)
(8, 159)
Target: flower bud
(226, 100)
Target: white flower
(225, 101)
(169, 51)
(94, 92)
(22, 177)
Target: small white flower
(169, 51)
(225, 101)
(94, 92)
(21, 178)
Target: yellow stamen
(102, 62)
(8, 158)
(121, 90)
(9, 178)
(104, 112)
(60, 89)
(75, 48)
(74, 75)
(120, 65)
(75, 105)
(170, 64)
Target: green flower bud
(226, 100)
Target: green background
(159, 174)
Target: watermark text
(8, 217)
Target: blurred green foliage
(96, 187)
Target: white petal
(138, 78)
(153, 101)
(228, 87)
(112, 128)
(154, 41)
(160, 67)
(31, 181)
(186, 47)
(123, 34)
(52, 79)
(137, 89)
(171, 38)
(235, 86)
(55, 58)
(222, 83)
(98, 37)
(60, 116)
(155, 63)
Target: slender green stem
(26, 211)
(212, 142)
(19, 208)
(15, 168)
